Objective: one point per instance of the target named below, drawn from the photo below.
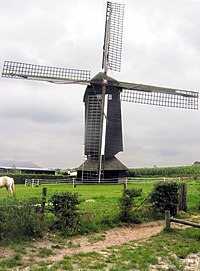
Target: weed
(44, 252)
(71, 244)
(65, 264)
(57, 246)
(11, 262)
(96, 238)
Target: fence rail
(37, 182)
(32, 182)
(74, 181)
(169, 219)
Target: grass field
(101, 201)
(165, 251)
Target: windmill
(102, 98)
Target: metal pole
(104, 85)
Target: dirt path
(100, 241)
(95, 242)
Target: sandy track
(115, 236)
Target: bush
(165, 197)
(64, 207)
(19, 219)
(132, 192)
(126, 203)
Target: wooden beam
(184, 222)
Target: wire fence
(124, 181)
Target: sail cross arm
(18, 70)
(160, 96)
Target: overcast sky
(43, 122)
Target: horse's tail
(13, 186)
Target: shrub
(132, 192)
(165, 197)
(126, 203)
(19, 219)
(64, 207)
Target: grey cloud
(44, 122)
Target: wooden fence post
(44, 195)
(167, 220)
(182, 206)
(73, 182)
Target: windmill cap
(102, 77)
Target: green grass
(11, 262)
(104, 206)
(42, 252)
(96, 192)
(105, 197)
(167, 247)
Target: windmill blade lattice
(113, 36)
(160, 96)
(20, 70)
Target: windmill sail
(12, 69)
(112, 48)
(160, 96)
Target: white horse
(8, 183)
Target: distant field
(192, 171)
(109, 192)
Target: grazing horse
(8, 183)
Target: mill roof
(110, 164)
(21, 164)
